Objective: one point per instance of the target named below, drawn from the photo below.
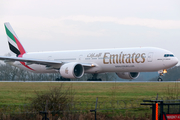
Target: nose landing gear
(161, 73)
(159, 79)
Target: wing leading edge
(48, 63)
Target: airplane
(127, 63)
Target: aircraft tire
(94, 79)
(57, 79)
(99, 79)
(63, 79)
(159, 79)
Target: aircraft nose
(175, 61)
(170, 63)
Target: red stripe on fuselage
(23, 63)
(22, 51)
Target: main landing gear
(161, 74)
(94, 78)
(63, 79)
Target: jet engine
(128, 75)
(72, 70)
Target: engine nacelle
(128, 75)
(72, 70)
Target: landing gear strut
(94, 78)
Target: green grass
(13, 94)
(22, 92)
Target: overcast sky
(55, 25)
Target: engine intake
(72, 70)
(128, 75)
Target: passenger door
(150, 57)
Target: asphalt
(98, 81)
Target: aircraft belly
(120, 67)
(131, 67)
(33, 68)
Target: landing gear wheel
(63, 79)
(94, 79)
(159, 79)
(57, 79)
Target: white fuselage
(145, 59)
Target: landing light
(164, 71)
(92, 65)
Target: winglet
(14, 44)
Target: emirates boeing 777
(127, 63)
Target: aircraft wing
(48, 63)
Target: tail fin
(14, 44)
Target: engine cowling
(72, 70)
(128, 75)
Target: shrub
(55, 99)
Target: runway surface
(97, 81)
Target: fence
(74, 107)
(171, 108)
